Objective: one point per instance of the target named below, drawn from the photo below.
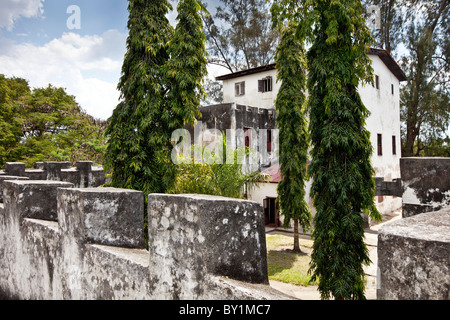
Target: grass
(284, 264)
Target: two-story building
(249, 103)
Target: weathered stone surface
(414, 257)
(194, 236)
(426, 184)
(107, 216)
(43, 259)
(32, 198)
(14, 168)
(3, 178)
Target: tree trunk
(296, 237)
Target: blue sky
(38, 43)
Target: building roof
(386, 57)
(383, 54)
(274, 173)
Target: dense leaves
(161, 89)
(294, 138)
(214, 176)
(343, 187)
(46, 124)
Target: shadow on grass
(289, 266)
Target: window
(247, 136)
(380, 144)
(392, 88)
(265, 85)
(269, 140)
(394, 145)
(239, 88)
(377, 82)
(270, 212)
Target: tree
(240, 35)
(135, 132)
(343, 186)
(291, 121)
(421, 27)
(46, 124)
(392, 15)
(425, 109)
(160, 89)
(12, 91)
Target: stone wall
(414, 258)
(84, 175)
(62, 242)
(426, 184)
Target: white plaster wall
(252, 97)
(384, 119)
(263, 191)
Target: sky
(75, 44)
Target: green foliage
(294, 138)
(161, 89)
(46, 124)
(214, 176)
(343, 187)
(135, 152)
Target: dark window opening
(265, 85)
(270, 212)
(394, 145)
(377, 82)
(380, 144)
(269, 140)
(392, 88)
(247, 136)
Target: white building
(258, 88)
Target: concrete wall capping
(61, 242)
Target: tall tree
(294, 138)
(240, 35)
(343, 185)
(186, 68)
(425, 108)
(161, 88)
(136, 133)
(420, 29)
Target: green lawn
(285, 265)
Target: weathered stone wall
(426, 184)
(84, 175)
(61, 242)
(414, 258)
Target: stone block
(426, 184)
(3, 178)
(106, 216)
(54, 168)
(15, 169)
(85, 172)
(33, 199)
(414, 258)
(194, 236)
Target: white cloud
(87, 66)
(11, 10)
